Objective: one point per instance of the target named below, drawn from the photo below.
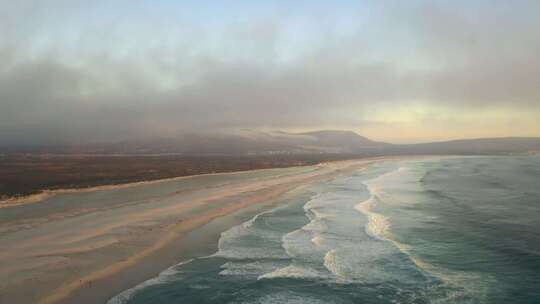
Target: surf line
(378, 226)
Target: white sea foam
(319, 215)
(165, 276)
(298, 244)
(286, 297)
(235, 251)
(331, 264)
(301, 242)
(317, 239)
(233, 243)
(323, 201)
(313, 202)
(378, 225)
(292, 271)
(319, 219)
(360, 261)
(315, 225)
(464, 280)
(249, 224)
(256, 268)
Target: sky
(74, 71)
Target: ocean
(434, 230)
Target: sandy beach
(85, 247)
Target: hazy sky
(400, 71)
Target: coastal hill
(243, 142)
(254, 142)
(27, 170)
(506, 145)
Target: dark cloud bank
(465, 57)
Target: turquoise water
(455, 230)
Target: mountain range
(253, 142)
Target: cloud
(79, 80)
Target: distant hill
(342, 141)
(506, 145)
(254, 142)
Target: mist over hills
(254, 142)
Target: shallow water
(463, 230)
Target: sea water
(446, 230)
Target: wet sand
(87, 247)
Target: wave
(249, 268)
(318, 239)
(240, 242)
(319, 220)
(239, 252)
(331, 264)
(378, 225)
(368, 263)
(293, 272)
(287, 297)
(165, 276)
(309, 240)
(298, 244)
(251, 222)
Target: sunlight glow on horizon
(393, 71)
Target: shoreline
(200, 241)
(23, 175)
(7, 201)
(77, 294)
(12, 201)
(152, 237)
